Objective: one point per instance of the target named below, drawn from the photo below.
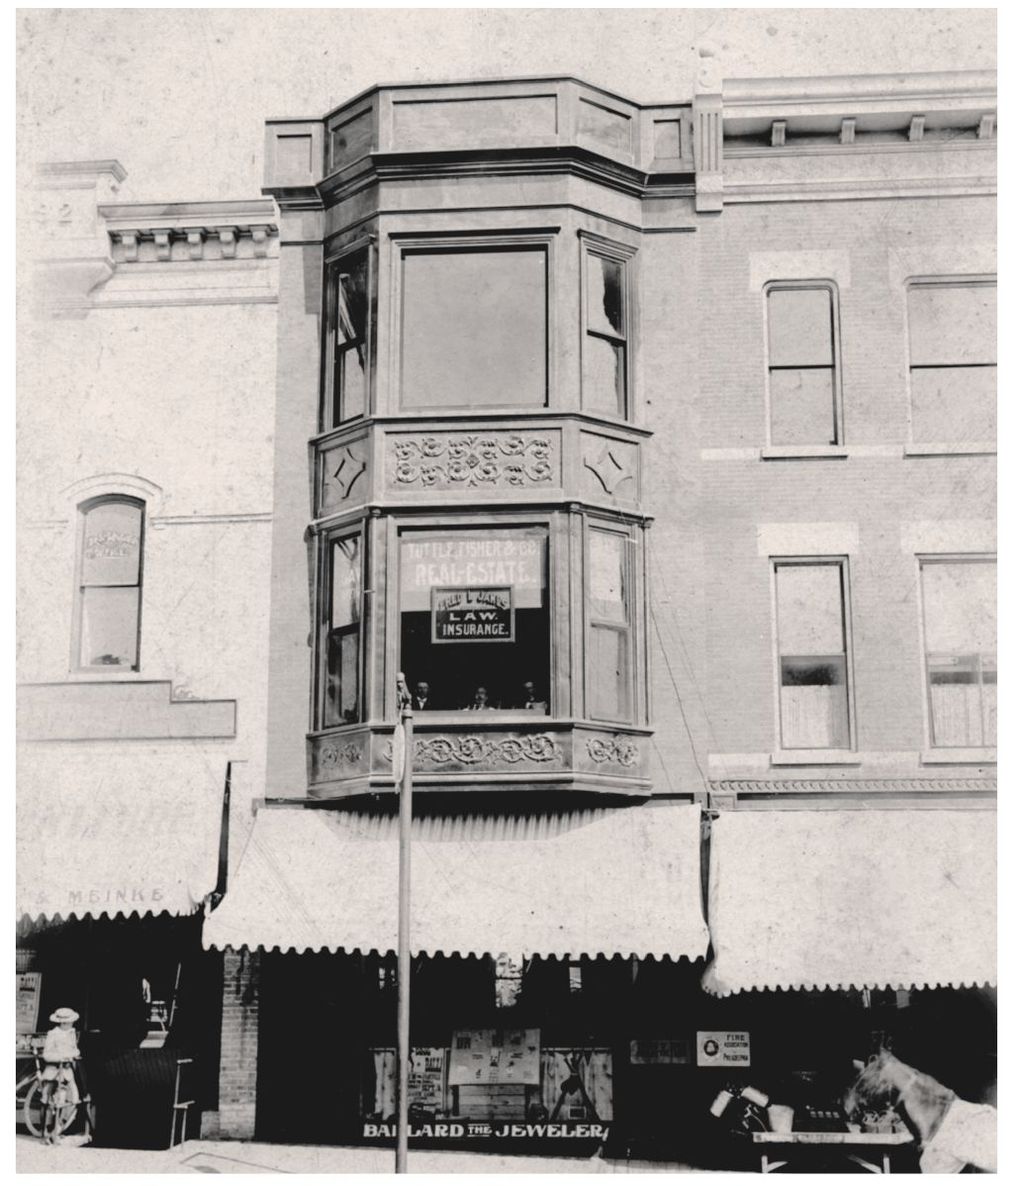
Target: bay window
(349, 336)
(342, 630)
(960, 641)
(609, 625)
(474, 619)
(605, 347)
(813, 670)
(474, 329)
(108, 611)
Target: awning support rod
(403, 937)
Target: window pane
(109, 627)
(606, 579)
(814, 704)
(810, 619)
(342, 670)
(609, 674)
(604, 376)
(474, 329)
(802, 408)
(474, 615)
(960, 608)
(346, 582)
(111, 545)
(954, 404)
(952, 325)
(350, 382)
(799, 327)
(605, 296)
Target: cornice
(856, 786)
(866, 190)
(837, 89)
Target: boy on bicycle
(61, 1046)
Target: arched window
(108, 611)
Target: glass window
(110, 583)
(608, 627)
(348, 337)
(960, 640)
(813, 673)
(952, 362)
(343, 633)
(605, 340)
(474, 328)
(802, 365)
(474, 619)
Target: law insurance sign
(476, 613)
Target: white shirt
(60, 1045)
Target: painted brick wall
(238, 1066)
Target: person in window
(61, 1046)
(422, 696)
(480, 701)
(529, 697)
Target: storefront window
(474, 619)
(343, 633)
(474, 328)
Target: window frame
(323, 621)
(597, 247)
(974, 280)
(406, 243)
(84, 510)
(841, 562)
(631, 592)
(329, 420)
(931, 747)
(837, 420)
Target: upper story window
(474, 325)
(813, 669)
(349, 336)
(341, 627)
(803, 379)
(609, 626)
(960, 642)
(474, 619)
(606, 314)
(108, 611)
(952, 360)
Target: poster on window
(479, 614)
(513, 558)
(495, 1056)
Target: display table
(872, 1150)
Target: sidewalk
(239, 1157)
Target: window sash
(813, 687)
(605, 379)
(349, 344)
(107, 618)
(610, 664)
(803, 381)
(341, 632)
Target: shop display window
(474, 327)
(474, 619)
(109, 584)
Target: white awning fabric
(839, 899)
(622, 880)
(117, 833)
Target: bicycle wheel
(32, 1109)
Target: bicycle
(51, 1105)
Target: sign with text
(495, 1056)
(479, 614)
(514, 558)
(27, 986)
(659, 1051)
(723, 1048)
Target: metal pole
(403, 940)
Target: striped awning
(864, 899)
(135, 831)
(622, 880)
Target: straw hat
(64, 1014)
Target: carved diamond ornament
(346, 473)
(609, 470)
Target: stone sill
(948, 449)
(970, 756)
(816, 757)
(797, 452)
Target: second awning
(840, 899)
(607, 881)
